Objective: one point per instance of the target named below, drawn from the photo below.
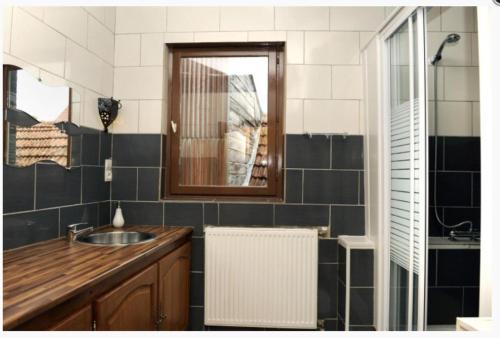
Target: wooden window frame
(170, 176)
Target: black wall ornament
(108, 110)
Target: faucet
(73, 233)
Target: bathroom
(284, 209)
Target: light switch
(108, 170)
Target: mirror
(35, 116)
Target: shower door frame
(402, 15)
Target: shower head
(450, 38)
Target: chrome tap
(73, 232)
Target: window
(225, 134)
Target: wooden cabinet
(173, 292)
(131, 306)
(81, 320)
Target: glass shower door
(406, 60)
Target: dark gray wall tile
(348, 220)
(432, 268)
(140, 213)
(347, 153)
(211, 211)
(84, 213)
(361, 187)
(440, 148)
(476, 189)
(185, 214)
(458, 267)
(198, 254)
(56, 186)
(196, 319)
(331, 187)
(90, 149)
(341, 300)
(105, 145)
(361, 306)
(294, 214)
(471, 302)
(196, 289)
(18, 188)
(76, 150)
(305, 152)
(124, 184)
(148, 184)
(342, 264)
(136, 150)
(327, 250)
(104, 213)
(444, 305)
(246, 214)
(330, 324)
(457, 215)
(462, 153)
(361, 267)
(30, 227)
(94, 189)
(327, 290)
(293, 189)
(453, 189)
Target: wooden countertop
(40, 276)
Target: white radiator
(261, 277)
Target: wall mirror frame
(36, 119)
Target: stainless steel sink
(116, 238)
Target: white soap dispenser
(118, 220)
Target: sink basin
(116, 238)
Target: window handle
(174, 126)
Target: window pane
(223, 121)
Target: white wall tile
(35, 11)
(127, 120)
(7, 25)
(356, 18)
(149, 117)
(70, 21)
(302, 18)
(454, 54)
(388, 10)
(152, 46)
(295, 47)
(220, 36)
(193, 19)
(98, 12)
(100, 40)
(110, 17)
(461, 83)
(294, 117)
(457, 19)
(179, 37)
(136, 83)
(107, 79)
(440, 82)
(434, 19)
(90, 117)
(332, 48)
(475, 50)
(476, 120)
(454, 118)
(140, 19)
(127, 50)
(246, 18)
(12, 60)
(364, 37)
(83, 67)
(308, 82)
(36, 43)
(331, 116)
(347, 82)
(267, 36)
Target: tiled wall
(72, 46)
(39, 201)
(458, 183)
(324, 187)
(453, 285)
(458, 71)
(323, 87)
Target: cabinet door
(174, 289)
(81, 320)
(131, 306)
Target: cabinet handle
(160, 320)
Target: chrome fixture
(456, 235)
(450, 38)
(116, 238)
(73, 232)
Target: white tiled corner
(152, 45)
(100, 40)
(457, 19)
(347, 82)
(476, 120)
(294, 47)
(110, 17)
(434, 19)
(364, 38)
(149, 117)
(70, 21)
(83, 67)
(7, 25)
(127, 50)
(454, 118)
(308, 82)
(138, 83)
(455, 54)
(193, 19)
(267, 36)
(220, 36)
(388, 10)
(179, 37)
(127, 120)
(461, 83)
(302, 18)
(145, 19)
(246, 18)
(332, 48)
(331, 116)
(440, 82)
(36, 11)
(294, 117)
(361, 18)
(90, 115)
(36, 43)
(98, 12)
